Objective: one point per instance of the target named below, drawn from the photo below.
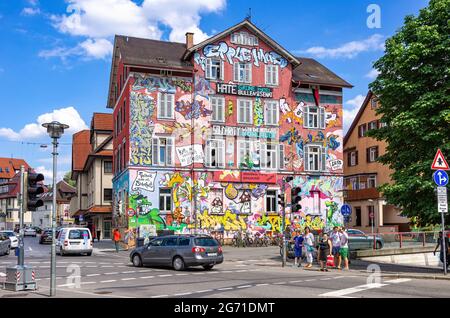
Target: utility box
(20, 278)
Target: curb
(415, 276)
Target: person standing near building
(336, 244)
(324, 250)
(116, 239)
(343, 251)
(439, 245)
(309, 244)
(298, 246)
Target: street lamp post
(55, 131)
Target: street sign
(346, 210)
(440, 177)
(439, 162)
(371, 215)
(80, 218)
(442, 199)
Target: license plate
(212, 254)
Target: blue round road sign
(346, 210)
(440, 177)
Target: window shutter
(249, 72)
(322, 117)
(208, 153)
(276, 75)
(155, 152)
(323, 159)
(368, 154)
(306, 159)
(376, 153)
(359, 131)
(349, 159)
(263, 156)
(208, 68)
(222, 70)
(171, 105)
(305, 116)
(221, 153)
(281, 157)
(236, 71)
(356, 158)
(221, 109)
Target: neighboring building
(363, 174)
(92, 171)
(9, 189)
(232, 115)
(42, 215)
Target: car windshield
(206, 241)
(9, 234)
(78, 234)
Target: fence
(404, 239)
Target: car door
(169, 249)
(151, 255)
(3, 244)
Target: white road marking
(203, 291)
(258, 285)
(108, 281)
(90, 275)
(131, 278)
(325, 278)
(112, 273)
(109, 266)
(225, 288)
(159, 296)
(309, 280)
(87, 283)
(167, 275)
(92, 266)
(241, 271)
(279, 283)
(245, 286)
(145, 271)
(147, 277)
(29, 248)
(182, 294)
(128, 272)
(398, 281)
(181, 274)
(296, 281)
(352, 290)
(2, 275)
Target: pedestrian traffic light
(296, 197)
(32, 189)
(281, 200)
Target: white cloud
(30, 11)
(372, 74)
(33, 2)
(48, 174)
(100, 20)
(67, 115)
(350, 112)
(348, 50)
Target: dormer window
(243, 38)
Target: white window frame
(218, 111)
(165, 197)
(353, 158)
(319, 122)
(221, 155)
(242, 144)
(372, 125)
(372, 154)
(274, 198)
(372, 178)
(268, 113)
(275, 150)
(315, 150)
(209, 69)
(169, 152)
(250, 104)
(272, 75)
(237, 72)
(166, 111)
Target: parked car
(179, 252)
(29, 231)
(5, 244)
(46, 237)
(12, 237)
(38, 229)
(74, 240)
(358, 240)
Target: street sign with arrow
(440, 178)
(439, 162)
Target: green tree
(413, 89)
(69, 180)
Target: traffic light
(296, 197)
(281, 200)
(32, 189)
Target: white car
(12, 237)
(74, 240)
(29, 232)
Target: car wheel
(208, 267)
(8, 250)
(137, 261)
(178, 264)
(61, 252)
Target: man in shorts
(343, 251)
(336, 242)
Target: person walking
(116, 239)
(441, 252)
(324, 250)
(98, 235)
(336, 244)
(309, 244)
(343, 251)
(298, 246)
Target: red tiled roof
(102, 121)
(81, 149)
(9, 166)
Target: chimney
(189, 40)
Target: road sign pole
(283, 225)
(444, 239)
(20, 260)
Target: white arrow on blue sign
(346, 210)
(440, 177)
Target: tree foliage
(413, 89)
(69, 180)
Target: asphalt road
(245, 273)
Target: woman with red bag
(324, 252)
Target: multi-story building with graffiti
(205, 135)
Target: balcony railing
(362, 194)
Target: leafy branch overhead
(414, 93)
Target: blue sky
(55, 55)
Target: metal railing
(404, 239)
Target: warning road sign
(439, 162)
